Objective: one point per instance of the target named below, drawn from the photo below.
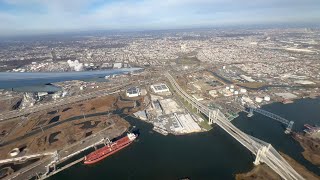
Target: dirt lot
(311, 147)
(53, 129)
(9, 104)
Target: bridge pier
(54, 166)
(264, 152)
(261, 152)
(289, 128)
(212, 116)
(250, 114)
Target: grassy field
(252, 84)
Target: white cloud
(59, 15)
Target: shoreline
(311, 153)
(262, 171)
(311, 147)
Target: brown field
(51, 130)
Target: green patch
(252, 84)
(187, 60)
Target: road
(40, 167)
(68, 100)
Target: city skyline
(19, 17)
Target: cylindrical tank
(243, 90)
(258, 99)
(236, 92)
(14, 152)
(232, 86)
(227, 87)
(267, 98)
(232, 90)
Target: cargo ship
(109, 149)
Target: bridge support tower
(250, 114)
(261, 152)
(212, 116)
(289, 128)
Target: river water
(208, 155)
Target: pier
(46, 166)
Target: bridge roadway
(263, 151)
(69, 100)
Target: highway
(263, 151)
(64, 101)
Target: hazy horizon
(31, 17)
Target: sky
(50, 16)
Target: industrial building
(247, 78)
(133, 92)
(184, 123)
(169, 106)
(159, 88)
(157, 106)
(117, 65)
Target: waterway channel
(208, 155)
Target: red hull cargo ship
(110, 149)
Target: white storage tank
(267, 98)
(232, 90)
(258, 99)
(236, 92)
(227, 87)
(14, 152)
(243, 90)
(232, 86)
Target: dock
(60, 169)
(46, 167)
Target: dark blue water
(10, 80)
(209, 155)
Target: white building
(247, 78)
(117, 65)
(133, 92)
(159, 88)
(258, 99)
